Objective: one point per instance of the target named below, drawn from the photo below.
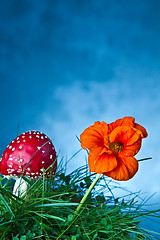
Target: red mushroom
(28, 155)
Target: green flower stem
(81, 203)
(86, 195)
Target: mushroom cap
(28, 155)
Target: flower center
(116, 147)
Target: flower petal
(128, 137)
(125, 170)
(126, 121)
(142, 131)
(101, 163)
(93, 136)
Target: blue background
(65, 64)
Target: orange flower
(112, 147)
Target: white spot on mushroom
(10, 166)
(46, 137)
(10, 147)
(43, 151)
(28, 169)
(23, 136)
(30, 136)
(10, 158)
(29, 132)
(43, 162)
(49, 142)
(32, 173)
(41, 169)
(24, 140)
(17, 138)
(42, 137)
(10, 170)
(37, 136)
(18, 141)
(38, 133)
(13, 141)
(20, 160)
(20, 147)
(51, 156)
(13, 149)
(11, 174)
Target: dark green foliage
(46, 211)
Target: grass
(46, 211)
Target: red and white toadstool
(28, 155)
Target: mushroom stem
(20, 187)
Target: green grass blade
(7, 206)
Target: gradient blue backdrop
(65, 64)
